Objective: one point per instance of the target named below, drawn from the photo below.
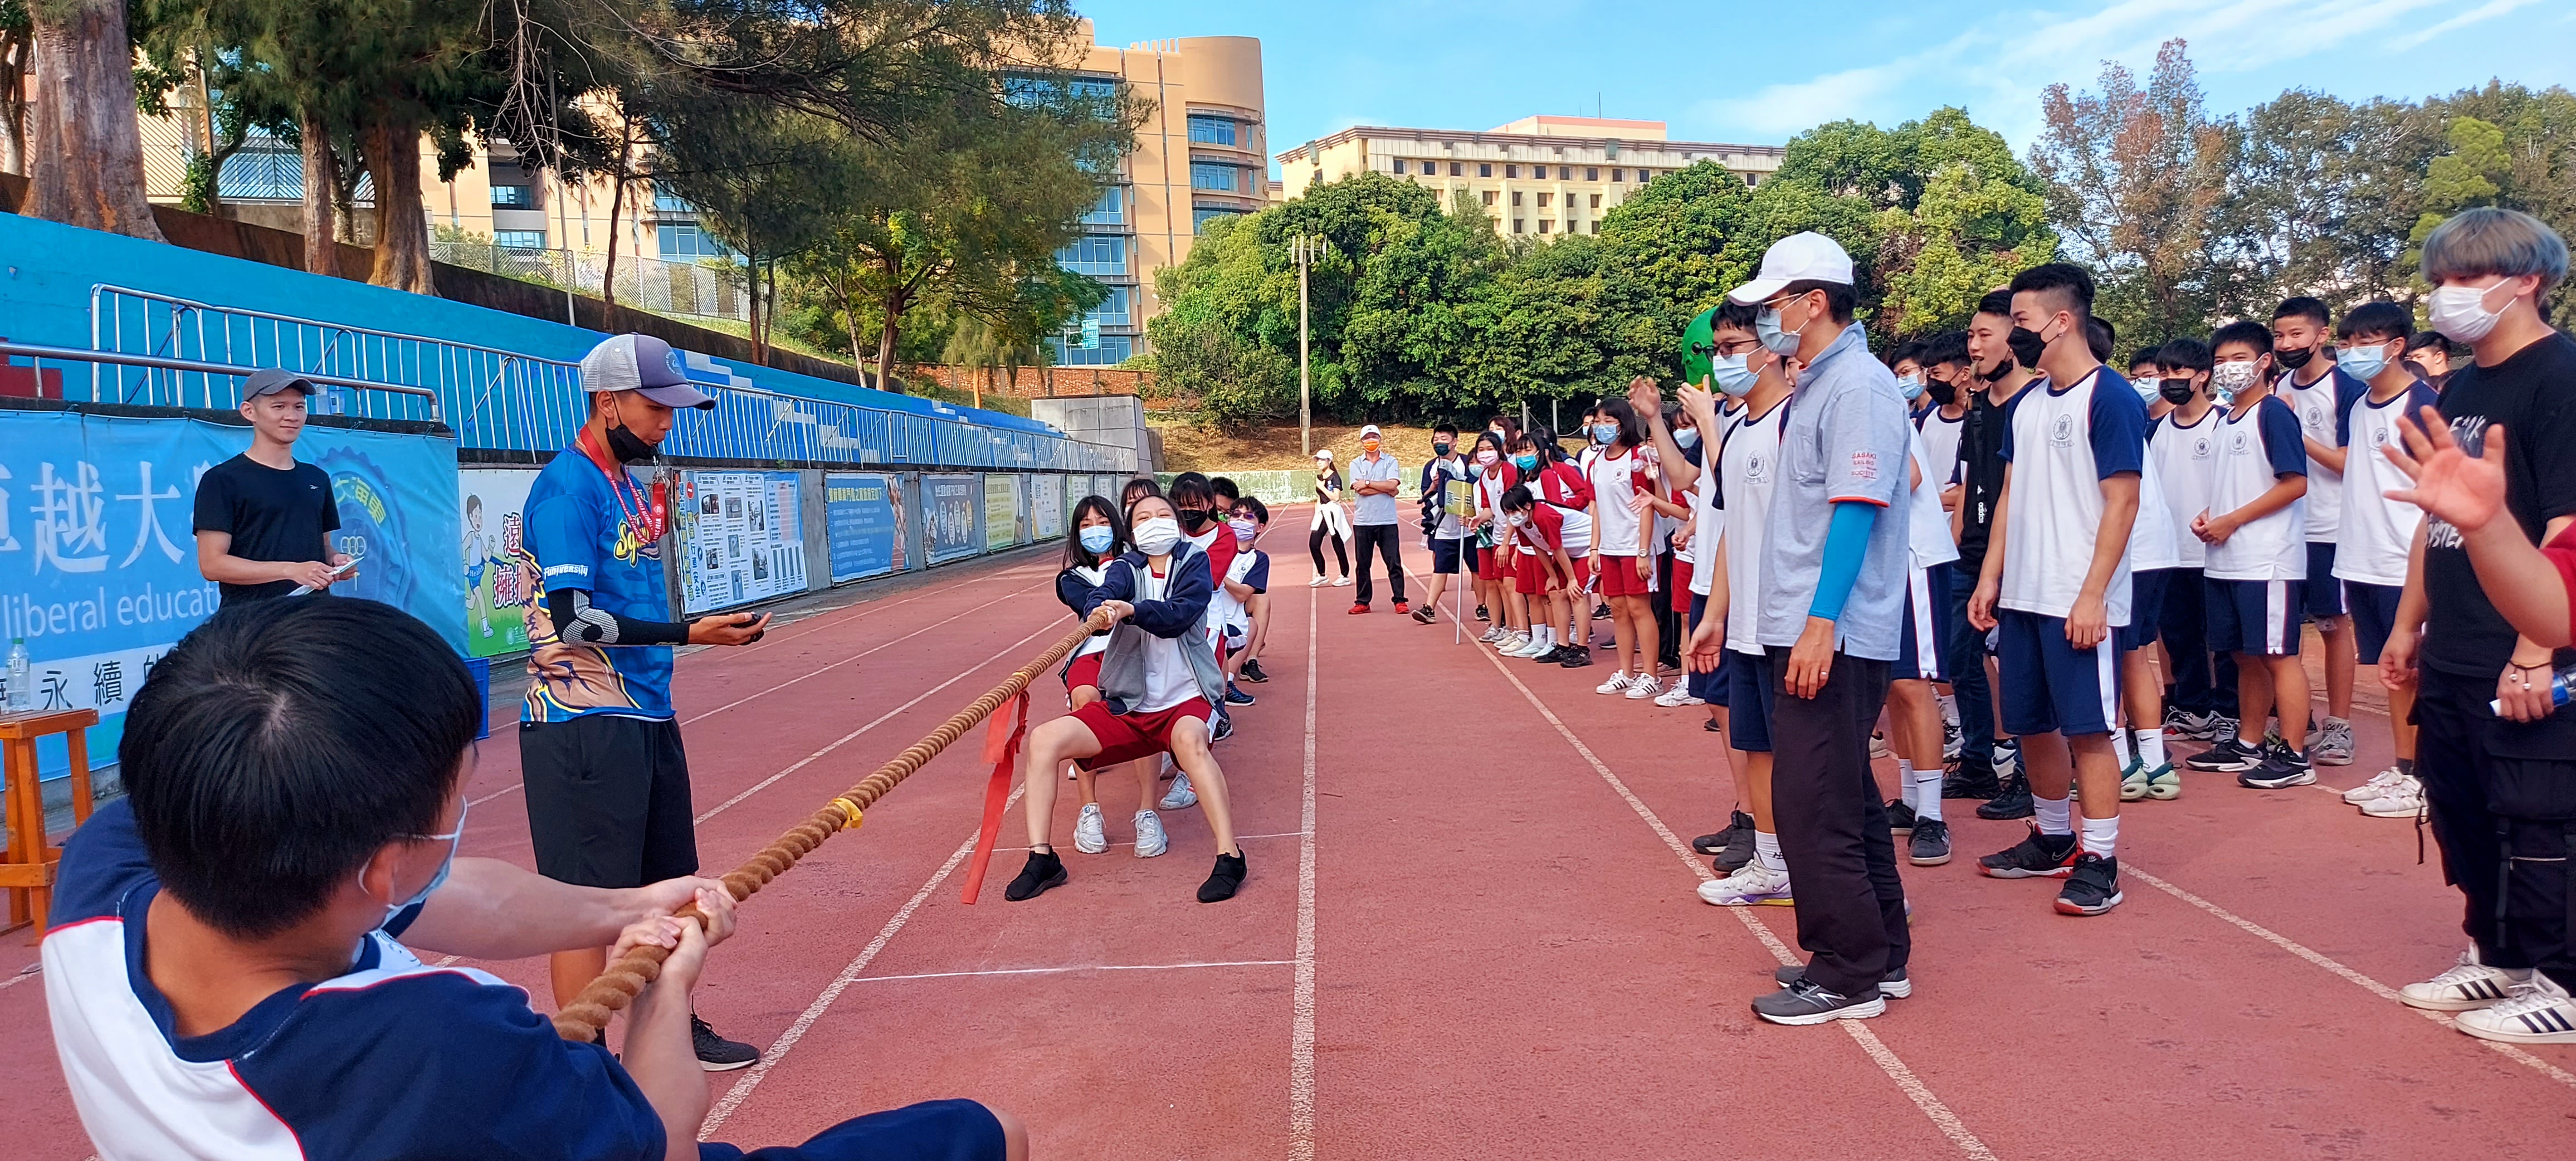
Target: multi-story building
(1539, 175)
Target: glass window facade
(1200, 216)
(1095, 254)
(520, 239)
(513, 195)
(1210, 175)
(667, 202)
(1208, 129)
(1113, 349)
(687, 243)
(1111, 210)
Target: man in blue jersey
(608, 783)
(231, 973)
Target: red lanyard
(648, 515)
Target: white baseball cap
(1325, 454)
(1801, 257)
(1370, 430)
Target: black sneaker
(1894, 985)
(1424, 615)
(1234, 695)
(2229, 756)
(2282, 767)
(1252, 672)
(1553, 656)
(1042, 871)
(1601, 611)
(2092, 888)
(2037, 856)
(2011, 801)
(1900, 817)
(1738, 853)
(1929, 845)
(1807, 1002)
(1967, 781)
(717, 1054)
(1576, 657)
(1223, 881)
(1482, 615)
(1711, 844)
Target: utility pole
(1303, 248)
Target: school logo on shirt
(1864, 465)
(2314, 419)
(1756, 469)
(2378, 436)
(2200, 448)
(2062, 433)
(2236, 443)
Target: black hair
(1996, 302)
(2145, 354)
(2305, 307)
(2061, 278)
(1189, 488)
(1946, 347)
(1224, 486)
(1260, 511)
(1632, 428)
(282, 744)
(1445, 429)
(2098, 336)
(1501, 443)
(1140, 486)
(1519, 498)
(1909, 351)
(2186, 353)
(1542, 439)
(2382, 320)
(2428, 340)
(2250, 333)
(1840, 298)
(1734, 316)
(1075, 555)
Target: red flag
(1002, 735)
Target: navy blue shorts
(1444, 556)
(2050, 686)
(2325, 593)
(2256, 617)
(2146, 604)
(1927, 606)
(929, 1131)
(2374, 615)
(1710, 687)
(1748, 702)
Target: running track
(1470, 924)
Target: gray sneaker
(1180, 796)
(1804, 1001)
(1149, 835)
(2334, 744)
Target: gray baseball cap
(270, 381)
(642, 364)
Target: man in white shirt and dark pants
(1375, 479)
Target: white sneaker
(1180, 796)
(2469, 984)
(1344, 582)
(1494, 634)
(2406, 800)
(1644, 686)
(1618, 683)
(1088, 836)
(1878, 745)
(2540, 1012)
(1149, 835)
(1316, 583)
(1678, 696)
(1518, 645)
(2379, 785)
(1750, 887)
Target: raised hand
(2449, 483)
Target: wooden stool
(28, 871)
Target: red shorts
(1582, 572)
(1527, 577)
(1488, 566)
(1681, 574)
(1125, 739)
(1084, 671)
(1619, 576)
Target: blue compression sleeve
(1846, 542)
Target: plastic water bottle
(2562, 685)
(22, 677)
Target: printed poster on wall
(741, 538)
(493, 506)
(1001, 511)
(948, 508)
(1046, 507)
(863, 513)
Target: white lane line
(1886, 1059)
(882, 645)
(881, 719)
(1301, 1027)
(2357, 979)
(1238, 838)
(743, 1088)
(1105, 967)
(25, 974)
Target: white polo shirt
(2255, 448)
(1748, 471)
(2185, 459)
(2061, 444)
(2377, 532)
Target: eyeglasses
(1733, 347)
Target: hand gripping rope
(602, 998)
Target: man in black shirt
(1998, 377)
(2500, 784)
(263, 520)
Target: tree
(764, 180)
(87, 148)
(17, 60)
(1969, 233)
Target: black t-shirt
(272, 515)
(2533, 394)
(1981, 459)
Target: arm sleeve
(1071, 591)
(1184, 602)
(1846, 542)
(330, 513)
(2348, 391)
(2542, 450)
(2004, 434)
(578, 622)
(2118, 419)
(214, 503)
(1864, 439)
(2285, 443)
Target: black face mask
(2026, 346)
(626, 447)
(1441, 449)
(1942, 391)
(2175, 391)
(2293, 360)
(1193, 518)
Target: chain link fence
(708, 290)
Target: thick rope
(602, 998)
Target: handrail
(156, 362)
(295, 320)
(588, 1014)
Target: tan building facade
(1542, 176)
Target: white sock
(2051, 814)
(2120, 745)
(1927, 795)
(1766, 853)
(1905, 783)
(2151, 747)
(1543, 636)
(1950, 710)
(2102, 836)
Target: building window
(1457, 170)
(1596, 201)
(513, 196)
(688, 243)
(1489, 197)
(1484, 170)
(1596, 227)
(666, 202)
(1210, 175)
(1544, 224)
(1517, 226)
(1543, 199)
(1511, 171)
(1201, 215)
(1029, 92)
(1399, 169)
(1113, 349)
(1618, 175)
(1095, 254)
(1540, 173)
(1113, 310)
(1111, 210)
(1208, 130)
(1591, 174)
(1516, 197)
(1645, 176)
(520, 239)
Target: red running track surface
(1497, 943)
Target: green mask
(1699, 346)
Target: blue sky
(1764, 71)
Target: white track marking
(1301, 1027)
(24, 974)
(1238, 838)
(2364, 982)
(881, 719)
(743, 1088)
(1052, 971)
(887, 644)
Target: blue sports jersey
(579, 538)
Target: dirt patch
(1188, 447)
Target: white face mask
(1487, 457)
(452, 838)
(2461, 314)
(1158, 535)
(2232, 377)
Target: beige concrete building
(1544, 175)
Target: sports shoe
(1150, 840)
(1878, 745)
(1224, 880)
(1234, 695)
(1491, 635)
(1950, 741)
(1043, 871)
(1807, 1002)
(2406, 801)
(1893, 985)
(1552, 655)
(2230, 756)
(1900, 817)
(1644, 686)
(2183, 723)
(1253, 672)
(1316, 583)
(1601, 611)
(1750, 886)
(2282, 767)
(1576, 657)
(1966, 781)
(1224, 727)
(2133, 780)
(1180, 796)
(1618, 683)
(2223, 725)
(1421, 616)
(1516, 645)
(1346, 580)
(2012, 801)
(1482, 615)
(1401, 606)
(2468, 984)
(1358, 609)
(1678, 696)
(2540, 1012)
(1738, 853)
(1090, 834)
(717, 1054)
(2092, 888)
(2164, 783)
(1929, 844)
(2007, 759)
(1710, 844)
(2333, 746)
(2037, 856)
(2379, 785)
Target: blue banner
(950, 507)
(863, 513)
(98, 562)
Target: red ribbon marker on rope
(1002, 735)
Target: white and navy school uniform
(1708, 530)
(2376, 533)
(1928, 554)
(2152, 555)
(1748, 473)
(2324, 410)
(2061, 444)
(2256, 579)
(1941, 448)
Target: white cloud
(2487, 11)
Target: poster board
(950, 511)
(492, 515)
(741, 538)
(863, 512)
(1046, 506)
(1001, 510)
